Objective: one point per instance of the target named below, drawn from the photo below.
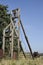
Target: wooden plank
(26, 39)
(3, 47)
(22, 50)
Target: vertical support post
(11, 41)
(12, 46)
(3, 42)
(11, 28)
(18, 32)
(18, 38)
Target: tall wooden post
(12, 46)
(12, 38)
(10, 41)
(3, 42)
(18, 32)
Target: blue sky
(32, 19)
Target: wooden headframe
(12, 28)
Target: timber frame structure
(11, 35)
(15, 16)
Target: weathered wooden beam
(7, 26)
(26, 39)
(11, 43)
(3, 46)
(18, 32)
(22, 50)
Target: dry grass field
(22, 61)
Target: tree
(4, 20)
